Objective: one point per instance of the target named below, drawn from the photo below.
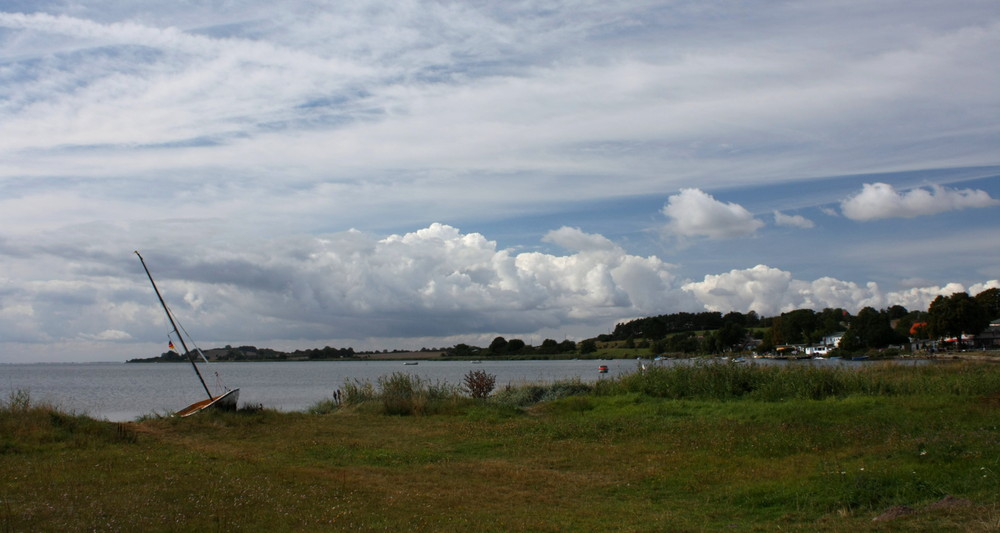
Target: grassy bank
(700, 448)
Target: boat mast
(174, 325)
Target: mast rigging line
(173, 324)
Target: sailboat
(226, 400)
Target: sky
(408, 174)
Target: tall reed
(401, 394)
(727, 381)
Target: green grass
(735, 452)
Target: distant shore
(992, 356)
(212, 355)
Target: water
(121, 392)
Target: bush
(525, 395)
(18, 401)
(479, 384)
(358, 392)
(401, 394)
(398, 394)
(323, 407)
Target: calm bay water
(121, 392)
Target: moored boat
(226, 400)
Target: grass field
(715, 447)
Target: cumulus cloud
(796, 221)
(694, 213)
(576, 240)
(433, 282)
(463, 282)
(881, 200)
(261, 135)
(770, 291)
(436, 284)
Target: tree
(794, 327)
(710, 343)
(685, 342)
(851, 341)
(989, 300)
(870, 329)
(731, 336)
(588, 346)
(659, 346)
(461, 350)
(498, 346)
(548, 346)
(734, 317)
(896, 312)
(956, 314)
(914, 324)
(515, 346)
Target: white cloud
(762, 289)
(770, 291)
(108, 335)
(881, 200)
(921, 297)
(796, 221)
(576, 240)
(261, 134)
(436, 286)
(435, 282)
(694, 213)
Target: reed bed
(730, 381)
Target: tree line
(713, 332)
(517, 347)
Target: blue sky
(408, 174)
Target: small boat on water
(603, 369)
(226, 400)
(411, 363)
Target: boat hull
(226, 402)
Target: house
(817, 350)
(989, 337)
(824, 347)
(833, 340)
